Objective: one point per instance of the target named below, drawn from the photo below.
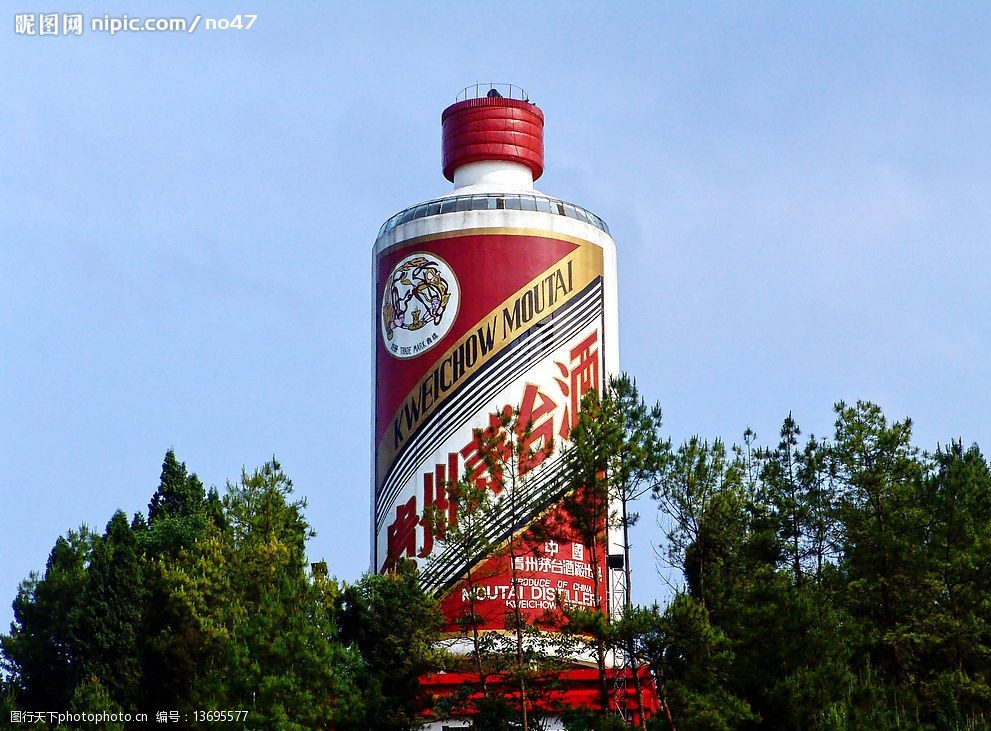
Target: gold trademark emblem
(419, 303)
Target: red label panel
(489, 268)
(551, 572)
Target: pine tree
(206, 605)
(693, 660)
(181, 514)
(883, 523)
(953, 628)
(465, 539)
(285, 660)
(513, 456)
(111, 614)
(42, 653)
(179, 510)
(615, 456)
(393, 625)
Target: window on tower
(493, 202)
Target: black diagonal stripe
(471, 402)
(481, 387)
(538, 492)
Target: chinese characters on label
(542, 416)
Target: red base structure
(578, 688)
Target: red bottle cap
(492, 128)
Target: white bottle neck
(494, 175)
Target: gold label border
(577, 270)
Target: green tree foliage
(513, 459)
(702, 496)
(179, 511)
(633, 450)
(43, 652)
(955, 651)
(694, 659)
(883, 550)
(838, 583)
(393, 626)
(111, 614)
(467, 538)
(916, 536)
(515, 666)
(614, 456)
(586, 507)
(196, 616)
(206, 605)
(275, 633)
(90, 696)
(584, 719)
(844, 581)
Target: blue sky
(798, 191)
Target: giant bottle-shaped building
(494, 298)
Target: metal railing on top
(492, 88)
